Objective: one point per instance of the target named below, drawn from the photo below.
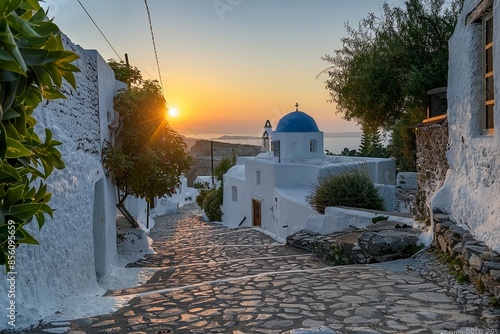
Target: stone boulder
(380, 242)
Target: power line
(100, 30)
(154, 44)
(187, 127)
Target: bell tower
(266, 139)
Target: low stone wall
(432, 144)
(479, 262)
(380, 242)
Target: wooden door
(256, 213)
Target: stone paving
(212, 279)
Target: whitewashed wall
(472, 189)
(63, 265)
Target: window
(488, 83)
(257, 176)
(234, 192)
(313, 147)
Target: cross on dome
(296, 106)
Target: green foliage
(212, 205)
(379, 219)
(455, 265)
(33, 64)
(348, 153)
(403, 146)
(198, 185)
(201, 197)
(223, 166)
(386, 66)
(149, 156)
(339, 256)
(212, 199)
(352, 187)
(128, 74)
(371, 145)
(494, 302)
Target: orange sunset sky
(226, 65)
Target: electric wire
(189, 128)
(90, 16)
(154, 44)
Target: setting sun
(173, 112)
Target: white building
(471, 190)
(60, 278)
(270, 190)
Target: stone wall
(477, 261)
(432, 144)
(78, 114)
(79, 242)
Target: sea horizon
(334, 142)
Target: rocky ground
(211, 279)
(380, 242)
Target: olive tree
(386, 66)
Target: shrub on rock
(352, 187)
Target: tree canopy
(386, 66)
(149, 156)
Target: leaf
(3, 142)
(23, 237)
(9, 114)
(7, 6)
(9, 171)
(34, 56)
(13, 195)
(52, 94)
(24, 211)
(15, 149)
(40, 217)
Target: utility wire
(158, 62)
(189, 128)
(154, 44)
(100, 30)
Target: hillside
(200, 152)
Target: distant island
(327, 135)
(226, 137)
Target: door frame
(256, 212)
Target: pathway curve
(212, 279)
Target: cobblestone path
(212, 279)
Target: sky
(227, 66)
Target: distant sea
(334, 142)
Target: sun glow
(173, 112)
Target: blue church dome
(297, 121)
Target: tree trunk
(125, 212)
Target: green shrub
(212, 205)
(352, 187)
(198, 185)
(201, 197)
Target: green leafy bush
(198, 185)
(201, 197)
(352, 187)
(33, 64)
(212, 205)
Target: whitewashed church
(270, 189)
